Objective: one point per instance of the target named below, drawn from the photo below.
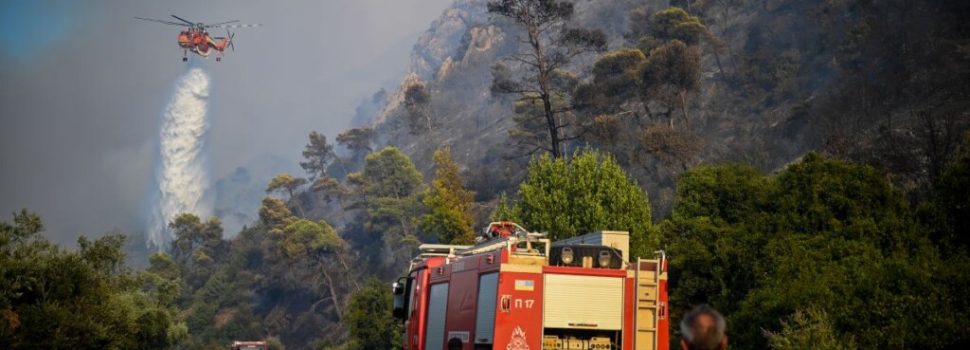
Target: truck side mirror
(399, 300)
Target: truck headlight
(604, 258)
(567, 255)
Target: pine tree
(318, 155)
(550, 47)
(450, 217)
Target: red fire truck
(519, 291)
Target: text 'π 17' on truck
(517, 290)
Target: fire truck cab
(517, 291)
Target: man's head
(703, 329)
(454, 344)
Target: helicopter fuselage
(194, 37)
(200, 42)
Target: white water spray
(181, 175)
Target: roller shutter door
(583, 302)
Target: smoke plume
(181, 173)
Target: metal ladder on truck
(649, 310)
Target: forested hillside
(805, 164)
(680, 83)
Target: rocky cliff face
(434, 54)
(444, 38)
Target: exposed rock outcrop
(439, 42)
(395, 100)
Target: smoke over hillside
(181, 174)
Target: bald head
(703, 329)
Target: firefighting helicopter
(196, 38)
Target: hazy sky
(83, 86)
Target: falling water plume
(181, 173)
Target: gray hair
(701, 336)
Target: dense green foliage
(286, 280)
(449, 204)
(586, 193)
(613, 75)
(947, 213)
(370, 322)
(198, 248)
(820, 235)
(85, 299)
(810, 329)
(388, 173)
(386, 193)
(670, 24)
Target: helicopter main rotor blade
(220, 23)
(161, 21)
(183, 20)
(227, 26)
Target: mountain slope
(778, 78)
